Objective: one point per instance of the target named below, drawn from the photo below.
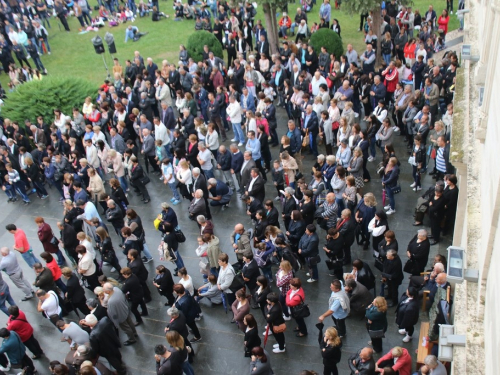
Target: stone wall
(475, 152)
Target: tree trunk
(275, 30)
(272, 34)
(376, 23)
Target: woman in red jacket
(442, 21)
(17, 322)
(402, 365)
(54, 268)
(294, 297)
(409, 51)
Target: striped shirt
(440, 162)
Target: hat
(90, 319)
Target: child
(269, 91)
(349, 194)
(9, 190)
(278, 178)
(289, 167)
(201, 129)
(264, 250)
(168, 177)
(210, 291)
(160, 153)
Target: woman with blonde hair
(289, 166)
(355, 168)
(179, 351)
(185, 179)
(344, 130)
(87, 108)
(96, 187)
(365, 212)
(330, 345)
(283, 278)
(376, 322)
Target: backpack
(292, 258)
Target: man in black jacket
(392, 276)
(69, 240)
(75, 292)
(214, 115)
(136, 264)
(114, 214)
(178, 323)
(250, 271)
(346, 227)
(132, 288)
(105, 342)
(224, 159)
(137, 174)
(311, 124)
(362, 362)
(272, 214)
(33, 52)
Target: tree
(373, 7)
(329, 39)
(270, 8)
(198, 40)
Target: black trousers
(26, 363)
(23, 60)
(150, 159)
(436, 228)
(117, 364)
(194, 327)
(147, 292)
(340, 325)
(135, 311)
(63, 21)
(330, 370)
(82, 306)
(33, 346)
(138, 185)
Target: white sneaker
(113, 269)
(277, 198)
(413, 185)
(240, 144)
(418, 188)
(407, 338)
(390, 212)
(395, 128)
(402, 331)
(311, 280)
(308, 274)
(270, 333)
(276, 345)
(370, 158)
(388, 207)
(233, 140)
(277, 350)
(287, 318)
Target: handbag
(179, 236)
(204, 266)
(334, 264)
(237, 283)
(54, 241)
(314, 260)
(279, 329)
(410, 266)
(306, 140)
(166, 253)
(301, 310)
(396, 189)
(145, 179)
(379, 264)
(378, 334)
(335, 125)
(411, 160)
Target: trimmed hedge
(329, 39)
(40, 98)
(197, 40)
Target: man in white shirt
(162, 134)
(380, 112)
(205, 159)
(48, 303)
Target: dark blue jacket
(237, 162)
(225, 160)
(295, 141)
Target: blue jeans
(208, 173)
(60, 258)
(175, 192)
(60, 284)
(11, 193)
(179, 263)
(373, 152)
(268, 273)
(146, 252)
(340, 205)
(167, 150)
(123, 183)
(133, 7)
(314, 270)
(387, 58)
(390, 195)
(416, 176)
(38, 63)
(312, 145)
(5, 296)
(214, 271)
(46, 41)
(238, 133)
(20, 189)
(30, 258)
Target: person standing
(22, 245)
(186, 303)
(392, 276)
(75, 293)
(407, 313)
(13, 347)
(136, 180)
(275, 321)
(331, 346)
(11, 267)
(308, 248)
(339, 307)
(119, 312)
(296, 297)
(376, 320)
(18, 323)
(5, 296)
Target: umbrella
(266, 336)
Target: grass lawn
(73, 54)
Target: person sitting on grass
(156, 15)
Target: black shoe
(432, 173)
(145, 313)
(434, 243)
(129, 342)
(301, 334)
(138, 323)
(196, 339)
(390, 304)
(147, 201)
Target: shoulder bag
(301, 310)
(237, 283)
(378, 334)
(279, 329)
(179, 236)
(396, 189)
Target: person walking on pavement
(119, 312)
(18, 323)
(13, 348)
(22, 245)
(11, 267)
(5, 296)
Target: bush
(40, 98)
(329, 39)
(199, 39)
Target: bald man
(362, 362)
(198, 205)
(440, 281)
(241, 242)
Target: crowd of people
(171, 121)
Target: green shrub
(199, 39)
(329, 39)
(40, 98)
